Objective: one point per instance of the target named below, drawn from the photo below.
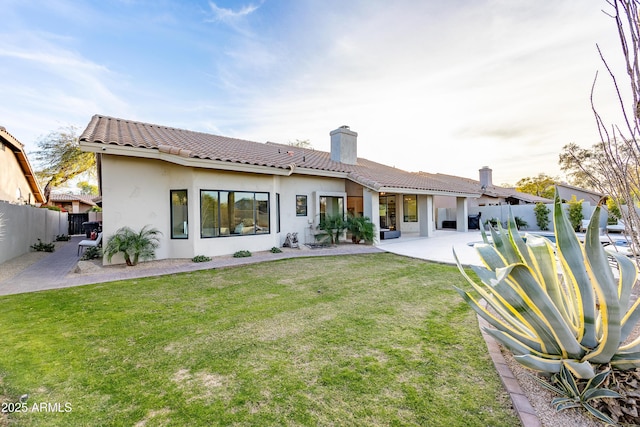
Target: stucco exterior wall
(24, 225)
(13, 183)
(136, 192)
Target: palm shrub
(134, 246)
(332, 227)
(361, 228)
(557, 309)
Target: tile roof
(492, 190)
(198, 145)
(67, 197)
(18, 150)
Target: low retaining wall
(23, 225)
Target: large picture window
(410, 207)
(179, 215)
(233, 213)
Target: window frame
(184, 236)
(406, 217)
(218, 217)
(302, 209)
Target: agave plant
(575, 396)
(554, 307)
(133, 246)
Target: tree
(541, 185)
(612, 165)
(301, 143)
(60, 158)
(87, 188)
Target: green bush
(521, 223)
(332, 227)
(43, 247)
(63, 238)
(133, 246)
(575, 213)
(542, 216)
(361, 228)
(242, 254)
(276, 250)
(201, 258)
(92, 252)
(614, 211)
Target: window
(179, 215)
(301, 205)
(278, 212)
(233, 213)
(332, 206)
(410, 208)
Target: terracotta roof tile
(180, 142)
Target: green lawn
(364, 340)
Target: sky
(436, 86)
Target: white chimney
(485, 177)
(344, 145)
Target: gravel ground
(540, 398)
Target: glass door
(388, 212)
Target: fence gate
(75, 223)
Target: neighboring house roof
(124, 137)
(66, 197)
(8, 140)
(565, 191)
(492, 190)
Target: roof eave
(17, 148)
(150, 153)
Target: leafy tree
(542, 185)
(60, 158)
(87, 188)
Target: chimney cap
(344, 127)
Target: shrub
(521, 223)
(63, 238)
(493, 222)
(43, 247)
(361, 228)
(276, 250)
(614, 211)
(201, 258)
(542, 216)
(572, 313)
(92, 252)
(133, 246)
(242, 254)
(575, 213)
(332, 226)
